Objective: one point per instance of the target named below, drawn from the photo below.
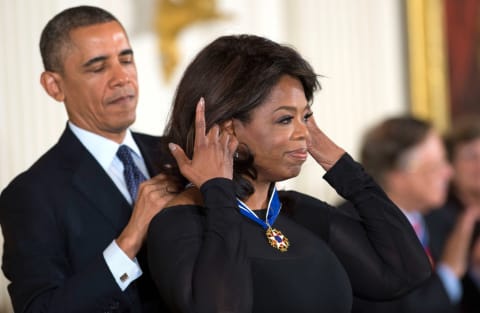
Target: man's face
(427, 175)
(99, 80)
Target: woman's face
(277, 133)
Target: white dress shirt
(449, 280)
(123, 269)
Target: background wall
(357, 45)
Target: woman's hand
(322, 148)
(212, 153)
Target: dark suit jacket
(57, 218)
(440, 223)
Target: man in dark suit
(407, 157)
(73, 227)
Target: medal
(277, 240)
(275, 237)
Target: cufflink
(124, 277)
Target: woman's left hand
(322, 148)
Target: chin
(291, 173)
(123, 125)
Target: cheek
(269, 149)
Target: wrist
(129, 243)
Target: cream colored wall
(356, 44)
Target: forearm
(381, 247)
(47, 283)
(47, 272)
(200, 259)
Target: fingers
(212, 152)
(160, 183)
(179, 155)
(200, 125)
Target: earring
(235, 155)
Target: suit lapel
(89, 178)
(151, 149)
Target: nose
(301, 130)
(119, 76)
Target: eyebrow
(290, 108)
(102, 58)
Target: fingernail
(202, 102)
(172, 146)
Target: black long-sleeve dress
(213, 259)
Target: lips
(121, 96)
(121, 99)
(299, 154)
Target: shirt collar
(103, 150)
(414, 217)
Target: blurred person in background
(463, 148)
(407, 157)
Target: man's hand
(456, 251)
(153, 195)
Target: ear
(51, 82)
(228, 127)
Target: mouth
(298, 154)
(121, 97)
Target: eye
(127, 59)
(307, 116)
(287, 119)
(98, 69)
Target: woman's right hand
(212, 153)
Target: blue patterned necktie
(133, 176)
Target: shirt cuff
(123, 269)
(450, 282)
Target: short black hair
(386, 144)
(56, 35)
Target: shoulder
(303, 207)
(39, 174)
(190, 196)
(297, 200)
(185, 212)
(187, 203)
(307, 211)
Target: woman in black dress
(231, 242)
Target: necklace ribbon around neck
(275, 238)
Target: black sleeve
(379, 249)
(35, 259)
(381, 252)
(431, 296)
(203, 267)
